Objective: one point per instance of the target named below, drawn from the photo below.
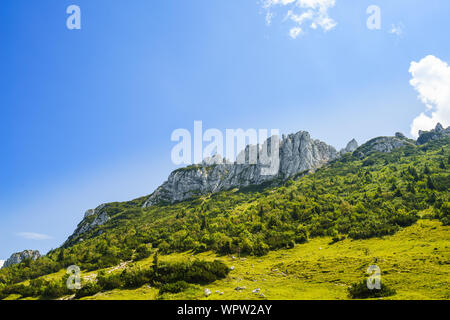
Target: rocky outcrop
(351, 147)
(437, 133)
(18, 257)
(297, 153)
(92, 218)
(383, 144)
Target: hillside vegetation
(415, 262)
(351, 201)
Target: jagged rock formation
(18, 257)
(92, 218)
(437, 133)
(351, 147)
(383, 144)
(297, 153)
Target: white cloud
(34, 236)
(269, 17)
(431, 79)
(397, 29)
(299, 12)
(295, 32)
(2, 262)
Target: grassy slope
(415, 262)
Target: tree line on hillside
(168, 277)
(350, 198)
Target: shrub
(301, 236)
(142, 252)
(174, 287)
(361, 291)
(201, 272)
(54, 290)
(109, 282)
(260, 249)
(134, 278)
(89, 289)
(368, 162)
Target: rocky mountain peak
(351, 147)
(18, 257)
(437, 133)
(297, 153)
(383, 144)
(92, 218)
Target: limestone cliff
(18, 257)
(297, 153)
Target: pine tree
(155, 261)
(430, 183)
(410, 188)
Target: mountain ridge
(348, 199)
(298, 153)
(18, 257)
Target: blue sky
(87, 114)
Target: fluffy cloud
(300, 13)
(295, 32)
(2, 262)
(33, 236)
(431, 79)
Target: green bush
(301, 235)
(174, 287)
(135, 278)
(55, 290)
(360, 290)
(89, 289)
(260, 249)
(110, 282)
(142, 252)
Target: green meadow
(310, 237)
(415, 262)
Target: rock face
(18, 257)
(437, 133)
(383, 144)
(92, 218)
(351, 147)
(297, 153)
